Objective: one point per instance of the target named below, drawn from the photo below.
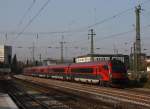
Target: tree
(9, 60)
(14, 65)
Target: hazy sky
(22, 20)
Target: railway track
(22, 98)
(113, 95)
(67, 99)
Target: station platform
(6, 102)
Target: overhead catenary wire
(109, 18)
(33, 18)
(90, 26)
(98, 22)
(102, 38)
(122, 33)
(67, 31)
(25, 14)
(117, 34)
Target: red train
(111, 72)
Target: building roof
(102, 55)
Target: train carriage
(41, 71)
(85, 72)
(104, 72)
(111, 72)
(58, 71)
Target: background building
(51, 61)
(102, 57)
(5, 54)
(148, 63)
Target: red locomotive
(111, 72)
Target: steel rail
(22, 98)
(139, 99)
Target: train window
(58, 70)
(82, 70)
(105, 67)
(42, 70)
(32, 70)
(50, 70)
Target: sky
(43, 24)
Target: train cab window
(118, 66)
(82, 70)
(105, 67)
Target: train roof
(35, 67)
(89, 63)
(105, 62)
(58, 65)
(76, 64)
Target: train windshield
(118, 66)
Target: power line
(25, 14)
(114, 16)
(68, 31)
(103, 38)
(33, 18)
(117, 34)
(99, 22)
(104, 20)
(122, 33)
(110, 18)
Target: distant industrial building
(148, 63)
(51, 61)
(5, 54)
(102, 57)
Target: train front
(118, 74)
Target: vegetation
(16, 66)
(141, 80)
(147, 84)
